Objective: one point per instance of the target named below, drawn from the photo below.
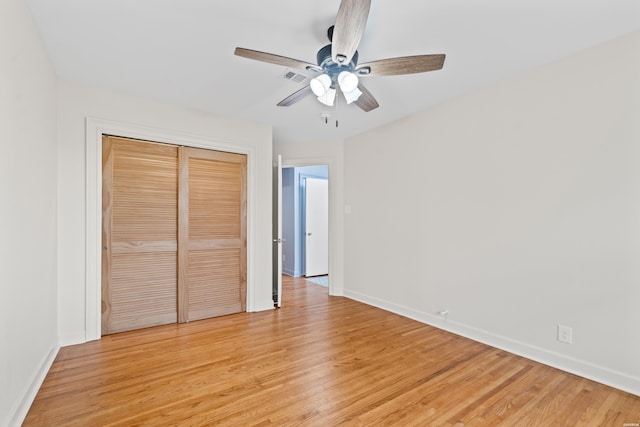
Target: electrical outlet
(565, 334)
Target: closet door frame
(95, 129)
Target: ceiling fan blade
(347, 31)
(276, 59)
(401, 65)
(295, 97)
(366, 101)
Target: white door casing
(95, 129)
(277, 239)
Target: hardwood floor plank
(319, 360)
(431, 400)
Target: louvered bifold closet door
(212, 229)
(140, 209)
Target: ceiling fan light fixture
(348, 81)
(320, 85)
(352, 96)
(328, 98)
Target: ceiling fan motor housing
(331, 68)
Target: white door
(317, 227)
(277, 231)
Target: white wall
(28, 336)
(78, 102)
(331, 154)
(516, 208)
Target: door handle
(308, 234)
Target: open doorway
(305, 224)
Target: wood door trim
(107, 215)
(221, 156)
(243, 232)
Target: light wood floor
(319, 360)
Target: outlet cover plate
(565, 334)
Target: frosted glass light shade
(352, 96)
(328, 98)
(320, 85)
(347, 81)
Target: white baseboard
(582, 368)
(337, 292)
(19, 412)
(73, 339)
(289, 272)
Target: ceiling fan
(338, 62)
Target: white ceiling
(181, 51)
